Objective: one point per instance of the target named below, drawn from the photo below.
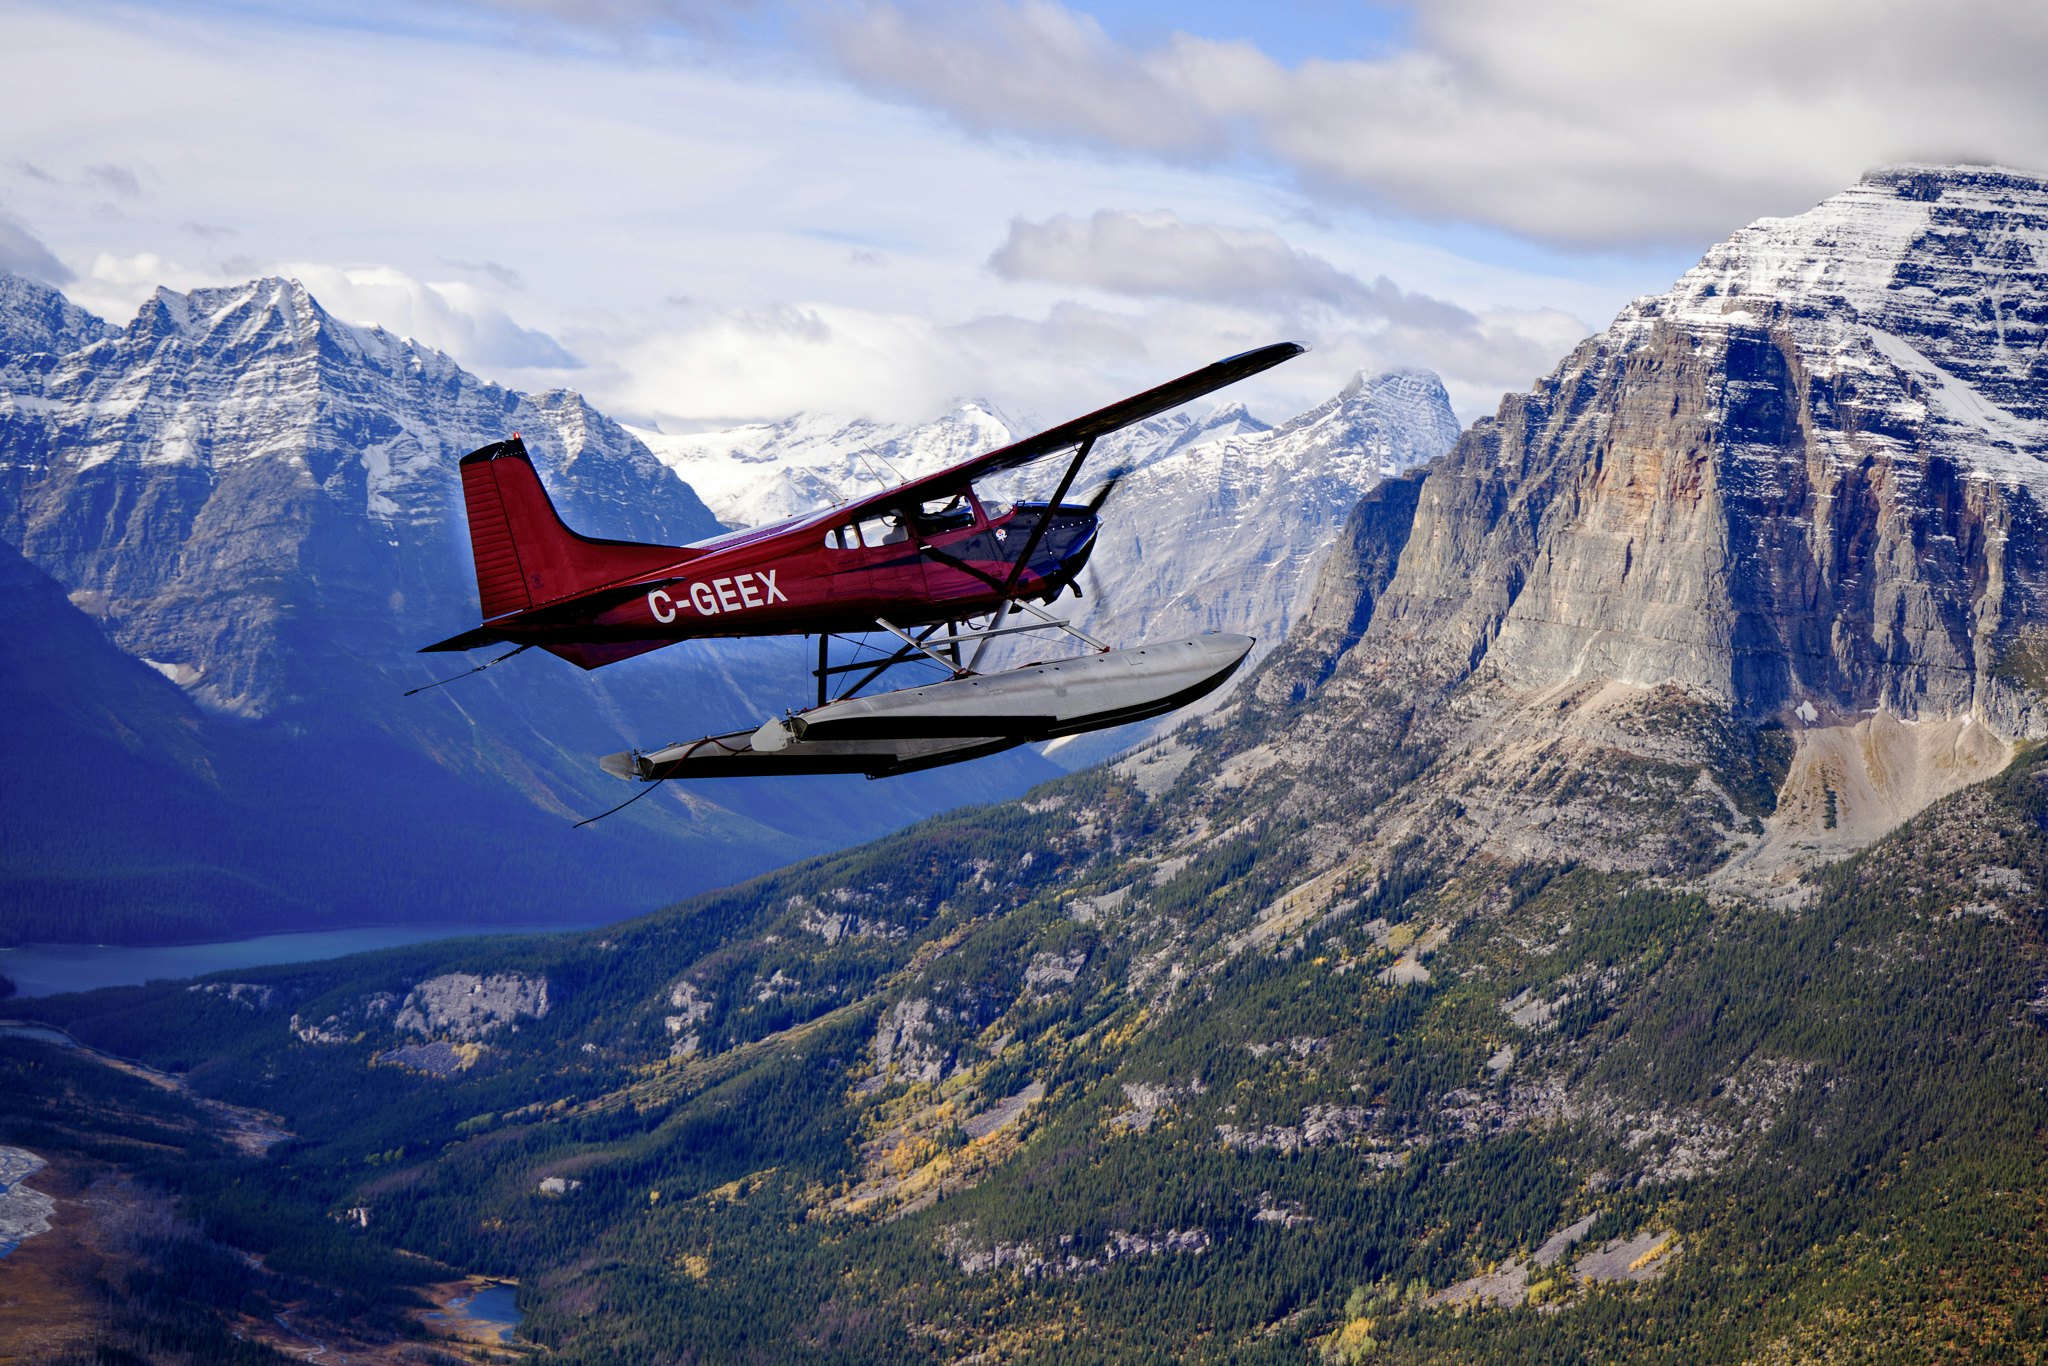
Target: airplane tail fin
(525, 556)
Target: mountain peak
(1798, 496)
(1926, 270)
(1932, 181)
(36, 318)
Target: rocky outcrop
(36, 320)
(1227, 533)
(905, 1046)
(24, 1212)
(465, 1006)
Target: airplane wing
(1067, 435)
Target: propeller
(1107, 488)
(1096, 502)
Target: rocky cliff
(1801, 490)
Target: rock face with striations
(1216, 534)
(203, 479)
(1802, 489)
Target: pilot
(952, 516)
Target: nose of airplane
(1076, 545)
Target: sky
(704, 212)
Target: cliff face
(1811, 473)
(1802, 489)
(1226, 533)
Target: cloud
(449, 316)
(1159, 256)
(1607, 122)
(23, 253)
(504, 275)
(777, 177)
(622, 15)
(733, 365)
(1030, 67)
(119, 179)
(719, 367)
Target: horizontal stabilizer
(473, 639)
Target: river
(46, 969)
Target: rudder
(525, 556)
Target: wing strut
(440, 682)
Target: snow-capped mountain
(250, 493)
(765, 472)
(1218, 524)
(1224, 529)
(261, 502)
(1772, 545)
(37, 320)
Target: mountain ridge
(259, 501)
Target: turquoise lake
(46, 969)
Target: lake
(46, 969)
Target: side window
(842, 538)
(885, 530)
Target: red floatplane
(934, 564)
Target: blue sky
(725, 210)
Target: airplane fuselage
(821, 575)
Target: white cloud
(727, 366)
(1610, 121)
(115, 285)
(451, 316)
(1033, 67)
(1158, 255)
(400, 175)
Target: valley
(1610, 925)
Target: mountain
(38, 321)
(1770, 547)
(1227, 530)
(259, 502)
(1219, 523)
(768, 471)
(1485, 982)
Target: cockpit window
(945, 514)
(842, 538)
(884, 530)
